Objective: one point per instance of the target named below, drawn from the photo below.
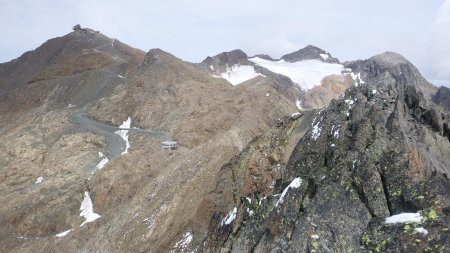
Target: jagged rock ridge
(369, 155)
(309, 53)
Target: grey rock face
(265, 57)
(220, 62)
(309, 53)
(442, 97)
(390, 69)
(381, 150)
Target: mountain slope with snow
(239, 73)
(306, 73)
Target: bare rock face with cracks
(298, 154)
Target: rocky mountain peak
(220, 63)
(236, 56)
(81, 50)
(389, 58)
(392, 68)
(442, 97)
(309, 53)
(154, 55)
(49, 74)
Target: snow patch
(315, 237)
(239, 73)
(211, 67)
(272, 185)
(306, 74)
(87, 210)
(124, 133)
(294, 184)
(149, 221)
(316, 130)
(183, 243)
(64, 233)
(324, 56)
(121, 76)
(403, 218)
(126, 124)
(230, 217)
(335, 131)
(421, 230)
(39, 180)
(261, 200)
(298, 104)
(349, 101)
(357, 78)
(295, 114)
(374, 91)
(267, 94)
(101, 164)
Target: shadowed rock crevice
(386, 192)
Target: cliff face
(380, 151)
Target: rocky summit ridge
(309, 53)
(355, 159)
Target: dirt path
(115, 144)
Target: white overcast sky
(192, 30)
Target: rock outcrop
(219, 63)
(377, 152)
(442, 97)
(309, 53)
